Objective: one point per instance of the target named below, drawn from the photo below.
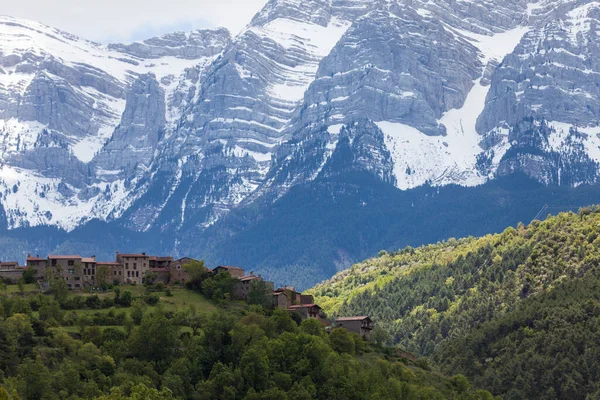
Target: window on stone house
(77, 278)
(53, 263)
(129, 274)
(137, 274)
(71, 271)
(134, 265)
(126, 265)
(70, 263)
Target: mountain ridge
(414, 94)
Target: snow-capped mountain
(174, 133)
(79, 119)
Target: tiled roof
(35, 259)
(108, 263)
(229, 267)
(62, 257)
(361, 318)
(249, 278)
(9, 263)
(304, 306)
(135, 255)
(88, 260)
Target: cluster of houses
(302, 304)
(80, 272)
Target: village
(81, 273)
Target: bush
(168, 293)
(93, 302)
(151, 299)
(29, 275)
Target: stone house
(37, 264)
(362, 325)
(280, 300)
(135, 266)
(159, 262)
(233, 271)
(128, 268)
(69, 268)
(177, 270)
(114, 271)
(306, 310)
(11, 270)
(241, 289)
(89, 270)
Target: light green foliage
(473, 305)
(237, 354)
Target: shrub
(151, 299)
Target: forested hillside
(528, 291)
(162, 344)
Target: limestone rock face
(174, 132)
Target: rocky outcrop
(189, 45)
(131, 148)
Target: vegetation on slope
(547, 348)
(430, 297)
(177, 344)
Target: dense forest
(160, 343)
(515, 312)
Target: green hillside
(438, 300)
(175, 343)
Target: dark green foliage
(259, 294)
(229, 355)
(514, 312)
(152, 299)
(219, 286)
(29, 275)
(548, 347)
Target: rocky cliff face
(80, 122)
(173, 133)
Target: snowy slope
(61, 98)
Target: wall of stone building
(134, 269)
(11, 274)
(61, 268)
(178, 272)
(280, 301)
(352, 326)
(162, 276)
(115, 272)
(307, 299)
(236, 273)
(39, 267)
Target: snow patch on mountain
(579, 21)
(449, 159)
(590, 140)
(317, 41)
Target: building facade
(135, 266)
(362, 325)
(11, 271)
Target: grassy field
(30, 287)
(181, 299)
